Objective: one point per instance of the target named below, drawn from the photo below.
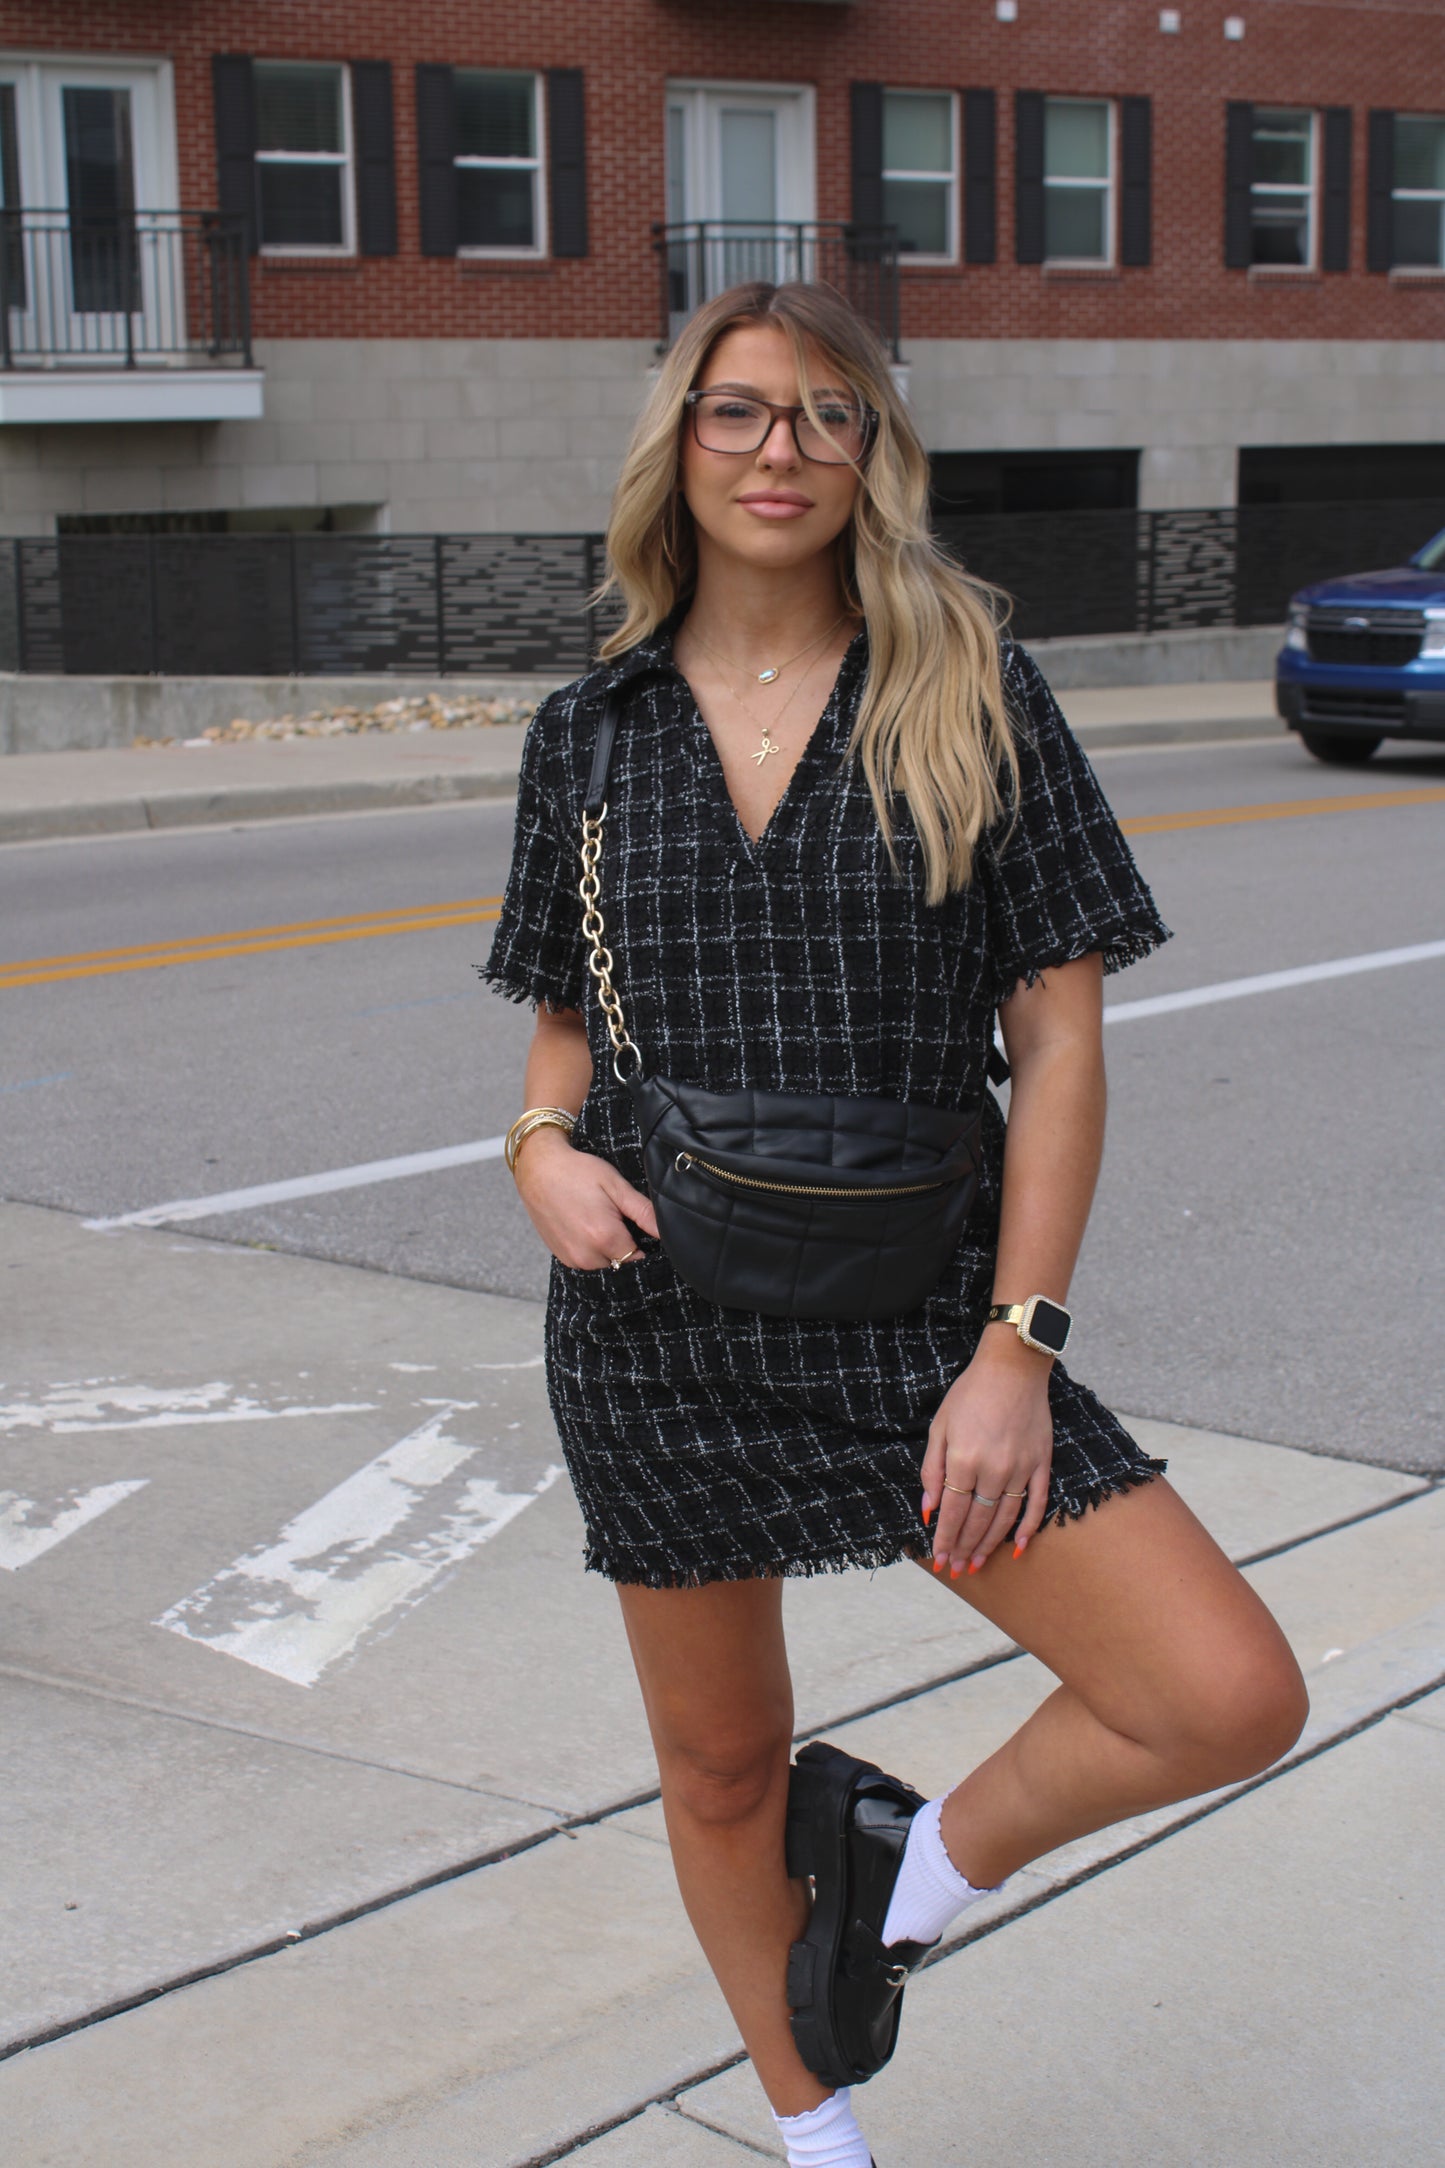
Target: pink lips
(776, 504)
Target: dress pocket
(641, 1284)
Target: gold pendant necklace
(768, 677)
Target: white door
(740, 188)
(108, 272)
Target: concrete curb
(283, 801)
(192, 809)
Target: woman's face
(768, 506)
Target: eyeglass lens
(726, 422)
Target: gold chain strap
(599, 963)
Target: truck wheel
(1341, 748)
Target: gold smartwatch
(1041, 1324)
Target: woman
(846, 826)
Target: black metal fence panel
(517, 602)
(482, 604)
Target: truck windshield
(1432, 557)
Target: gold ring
(1015, 1494)
(619, 1262)
(957, 1492)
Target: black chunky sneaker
(847, 1826)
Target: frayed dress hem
(1069, 1504)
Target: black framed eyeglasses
(732, 421)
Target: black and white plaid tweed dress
(714, 1444)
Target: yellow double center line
(475, 910)
(250, 941)
(1280, 809)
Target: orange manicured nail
(973, 1566)
(927, 1514)
(954, 1572)
(1018, 1550)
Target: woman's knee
(726, 1778)
(1249, 1714)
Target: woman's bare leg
(1175, 1679)
(714, 1675)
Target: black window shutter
(436, 142)
(867, 106)
(375, 157)
(1028, 176)
(233, 99)
(567, 161)
(1335, 224)
(1135, 159)
(980, 177)
(1380, 226)
(1238, 174)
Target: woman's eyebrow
(820, 391)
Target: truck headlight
(1434, 640)
(1299, 618)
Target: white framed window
(499, 163)
(303, 158)
(1079, 190)
(920, 173)
(1419, 192)
(1282, 216)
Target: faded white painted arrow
(371, 1546)
(28, 1529)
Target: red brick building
(1164, 255)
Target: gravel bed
(416, 711)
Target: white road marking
(461, 1155)
(1270, 982)
(295, 1606)
(85, 1407)
(303, 1185)
(28, 1530)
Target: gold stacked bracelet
(534, 1118)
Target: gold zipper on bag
(686, 1160)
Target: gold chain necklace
(767, 677)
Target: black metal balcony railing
(707, 255)
(135, 289)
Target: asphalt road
(1264, 1256)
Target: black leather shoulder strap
(596, 797)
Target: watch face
(1050, 1326)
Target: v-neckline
(753, 845)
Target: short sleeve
(537, 951)
(1063, 882)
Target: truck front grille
(1378, 639)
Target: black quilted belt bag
(791, 1204)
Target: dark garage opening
(1342, 473)
(978, 483)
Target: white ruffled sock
(826, 2137)
(930, 1891)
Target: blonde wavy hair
(932, 724)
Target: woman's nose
(779, 447)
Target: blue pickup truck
(1364, 659)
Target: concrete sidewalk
(333, 1815)
(120, 789)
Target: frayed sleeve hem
(522, 990)
(1120, 946)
